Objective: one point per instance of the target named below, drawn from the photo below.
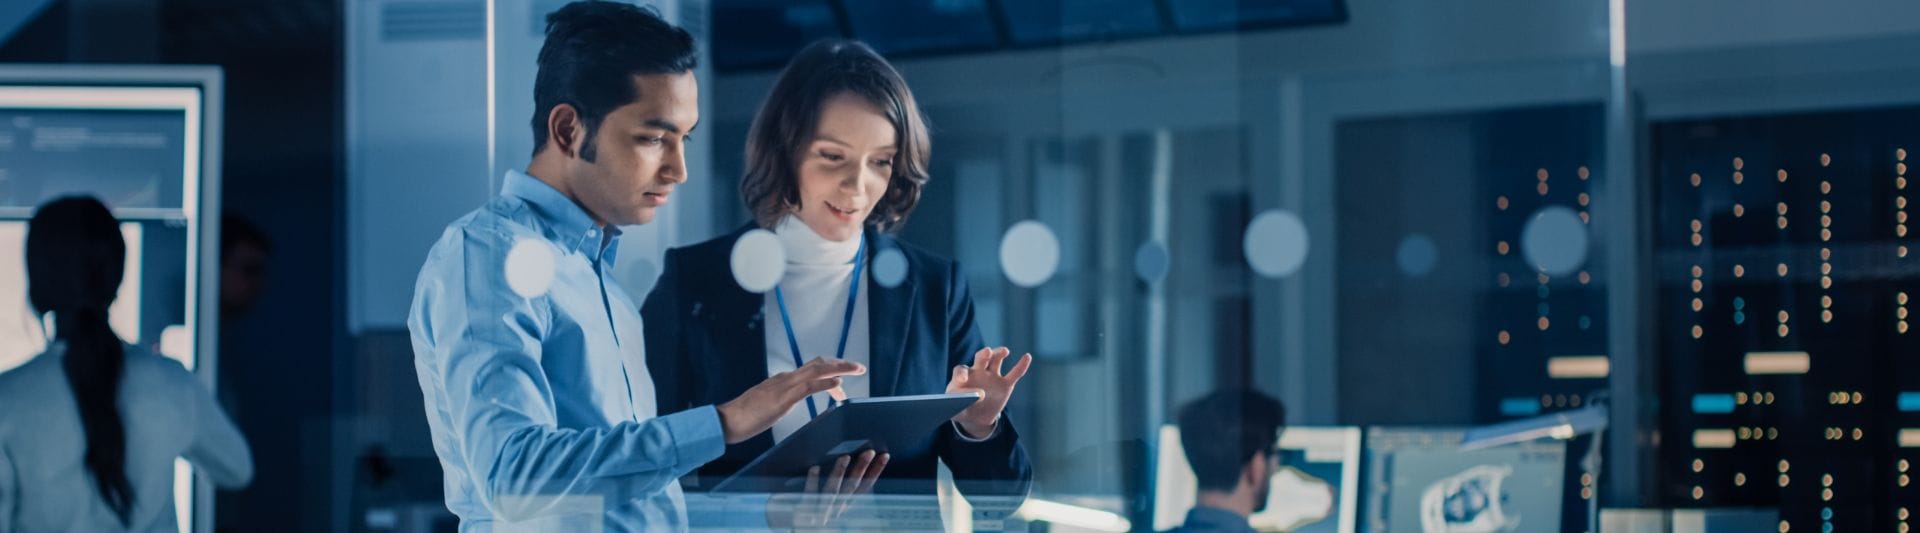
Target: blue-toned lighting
(1713, 403)
(1909, 401)
(1519, 407)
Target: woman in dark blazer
(836, 159)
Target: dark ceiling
(762, 34)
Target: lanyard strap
(846, 322)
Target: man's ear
(564, 130)
(1254, 472)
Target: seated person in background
(1231, 438)
(90, 428)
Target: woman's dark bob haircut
(786, 123)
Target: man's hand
(756, 410)
(826, 500)
(995, 388)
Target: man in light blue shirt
(529, 355)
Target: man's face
(639, 151)
(243, 273)
(1264, 489)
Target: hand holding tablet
(856, 426)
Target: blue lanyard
(846, 323)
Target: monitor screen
(139, 150)
(21, 334)
(1420, 480)
(1315, 491)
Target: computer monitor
(22, 334)
(1421, 480)
(145, 141)
(1315, 491)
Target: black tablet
(854, 426)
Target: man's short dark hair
(594, 48)
(1223, 430)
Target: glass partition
(1381, 213)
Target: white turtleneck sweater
(818, 274)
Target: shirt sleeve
(964, 437)
(482, 343)
(217, 449)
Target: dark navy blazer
(705, 346)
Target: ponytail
(75, 258)
(94, 362)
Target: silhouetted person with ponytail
(90, 428)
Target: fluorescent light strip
(1910, 438)
(1579, 367)
(1036, 510)
(1776, 363)
(1713, 438)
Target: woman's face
(845, 167)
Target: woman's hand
(984, 377)
(825, 501)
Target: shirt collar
(1213, 519)
(570, 225)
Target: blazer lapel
(736, 320)
(887, 323)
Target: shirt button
(593, 233)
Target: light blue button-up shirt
(540, 404)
